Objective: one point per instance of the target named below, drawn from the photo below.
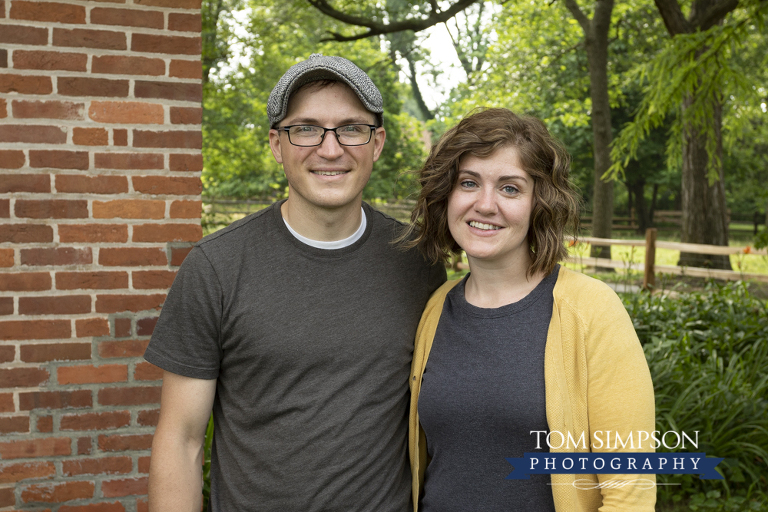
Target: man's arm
(175, 471)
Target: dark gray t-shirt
(481, 394)
(312, 351)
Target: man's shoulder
(239, 230)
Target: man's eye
(306, 129)
(351, 129)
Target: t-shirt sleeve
(186, 339)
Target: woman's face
(489, 209)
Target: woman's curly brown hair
(544, 158)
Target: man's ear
(274, 145)
(379, 136)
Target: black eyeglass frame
(286, 129)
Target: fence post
(649, 277)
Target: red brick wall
(99, 202)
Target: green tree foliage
(276, 35)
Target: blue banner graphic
(614, 463)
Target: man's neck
(322, 224)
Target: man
(295, 326)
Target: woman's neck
(494, 285)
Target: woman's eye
(509, 189)
(468, 184)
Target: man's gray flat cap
(320, 67)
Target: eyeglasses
(307, 135)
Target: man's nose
(330, 148)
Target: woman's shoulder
(582, 290)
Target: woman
(521, 346)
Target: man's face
(328, 176)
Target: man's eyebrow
(315, 122)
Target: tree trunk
(641, 210)
(705, 219)
(602, 202)
(653, 204)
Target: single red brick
(84, 445)
(142, 505)
(143, 465)
(12, 425)
(162, 185)
(7, 353)
(185, 22)
(121, 443)
(186, 69)
(3, 64)
(178, 4)
(55, 351)
(25, 84)
(120, 137)
(57, 256)
(127, 17)
(45, 424)
(131, 257)
(167, 233)
(51, 61)
(5, 212)
(145, 326)
(153, 279)
(23, 377)
(147, 371)
(47, 11)
(76, 184)
(169, 91)
(25, 282)
(25, 470)
(6, 402)
(130, 396)
(25, 233)
(186, 209)
(91, 281)
(33, 134)
(87, 327)
(135, 303)
(52, 209)
(177, 45)
(168, 139)
(186, 115)
(85, 86)
(93, 374)
(87, 38)
(128, 161)
(48, 110)
(148, 418)
(128, 348)
(28, 448)
(8, 499)
(129, 209)
(12, 159)
(96, 420)
(34, 330)
(126, 112)
(58, 492)
(6, 305)
(69, 233)
(59, 305)
(40, 183)
(100, 466)
(124, 487)
(122, 327)
(55, 399)
(95, 507)
(90, 136)
(22, 34)
(59, 159)
(178, 254)
(122, 65)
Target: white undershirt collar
(335, 244)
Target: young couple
(296, 327)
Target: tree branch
(578, 14)
(673, 17)
(376, 28)
(712, 15)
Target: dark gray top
(481, 395)
(312, 351)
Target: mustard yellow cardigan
(596, 379)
